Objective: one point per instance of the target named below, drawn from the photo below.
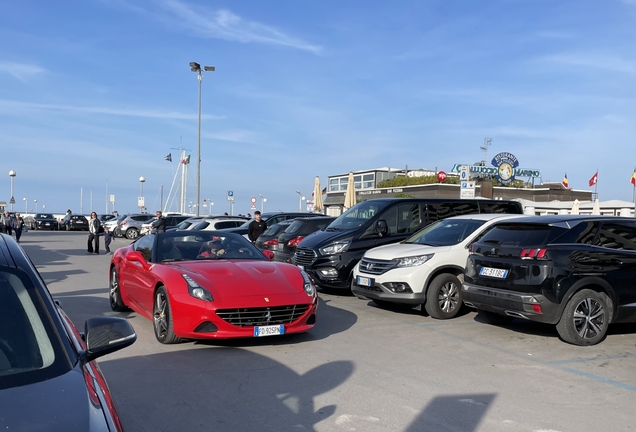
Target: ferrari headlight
(196, 290)
(413, 261)
(308, 285)
(336, 247)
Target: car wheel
(444, 297)
(132, 233)
(116, 302)
(162, 318)
(585, 318)
(495, 318)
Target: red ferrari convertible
(210, 285)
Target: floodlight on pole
(196, 67)
(12, 174)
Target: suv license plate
(493, 272)
(269, 330)
(364, 281)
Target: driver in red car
(211, 249)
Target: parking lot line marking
(601, 379)
(439, 328)
(583, 360)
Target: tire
(495, 318)
(585, 318)
(132, 233)
(116, 302)
(444, 297)
(162, 318)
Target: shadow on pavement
(453, 413)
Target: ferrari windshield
(199, 245)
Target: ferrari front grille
(250, 317)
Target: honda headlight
(337, 247)
(413, 261)
(308, 285)
(196, 290)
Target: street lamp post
(12, 174)
(141, 202)
(196, 67)
(36, 205)
(301, 198)
(26, 206)
(263, 201)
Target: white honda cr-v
(427, 268)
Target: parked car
(130, 226)
(576, 272)
(235, 293)
(172, 220)
(44, 221)
(329, 256)
(298, 230)
(48, 377)
(105, 217)
(217, 223)
(72, 222)
(270, 219)
(425, 269)
(269, 239)
(185, 224)
(113, 225)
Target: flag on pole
(565, 180)
(324, 191)
(186, 160)
(594, 179)
(168, 158)
(633, 180)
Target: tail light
(294, 242)
(123, 223)
(538, 253)
(272, 242)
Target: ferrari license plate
(364, 281)
(493, 272)
(269, 330)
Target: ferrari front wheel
(162, 318)
(116, 302)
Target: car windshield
(446, 232)
(357, 215)
(29, 349)
(204, 245)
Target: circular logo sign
(441, 176)
(505, 164)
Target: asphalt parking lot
(362, 368)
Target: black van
(330, 255)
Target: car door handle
(616, 261)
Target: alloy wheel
(448, 297)
(161, 315)
(589, 318)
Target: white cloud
(220, 24)
(595, 61)
(9, 106)
(20, 71)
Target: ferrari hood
(244, 277)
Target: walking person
(256, 228)
(158, 226)
(93, 234)
(108, 237)
(18, 226)
(7, 222)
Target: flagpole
(596, 184)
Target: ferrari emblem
(266, 299)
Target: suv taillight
(538, 253)
(123, 223)
(272, 242)
(294, 242)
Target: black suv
(577, 272)
(44, 221)
(74, 222)
(299, 229)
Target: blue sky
(97, 92)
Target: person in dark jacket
(256, 228)
(108, 237)
(159, 226)
(93, 234)
(7, 222)
(18, 226)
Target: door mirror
(381, 228)
(105, 335)
(135, 257)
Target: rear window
(522, 234)
(500, 207)
(295, 227)
(581, 233)
(275, 229)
